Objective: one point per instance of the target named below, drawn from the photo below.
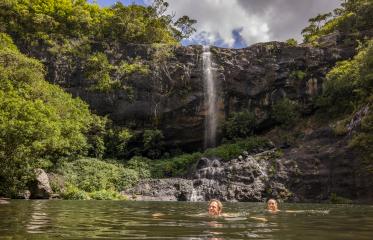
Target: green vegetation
(335, 199)
(179, 165)
(298, 74)
(74, 193)
(240, 125)
(349, 84)
(94, 175)
(349, 89)
(107, 77)
(285, 112)
(51, 22)
(292, 42)
(40, 123)
(153, 143)
(84, 36)
(98, 70)
(352, 17)
(92, 178)
(141, 165)
(173, 167)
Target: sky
(240, 23)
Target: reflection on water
(38, 219)
(180, 220)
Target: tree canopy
(351, 17)
(39, 122)
(50, 22)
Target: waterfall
(210, 91)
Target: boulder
(40, 187)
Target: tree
(320, 18)
(292, 42)
(186, 27)
(39, 122)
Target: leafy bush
(74, 193)
(141, 165)
(95, 175)
(153, 143)
(98, 70)
(298, 74)
(176, 166)
(348, 84)
(240, 125)
(285, 112)
(353, 16)
(38, 120)
(229, 151)
(116, 142)
(292, 42)
(106, 195)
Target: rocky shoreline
(318, 167)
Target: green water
(181, 220)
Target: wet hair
(272, 199)
(220, 205)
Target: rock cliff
(172, 97)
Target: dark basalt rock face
(328, 166)
(172, 97)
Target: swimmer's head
(215, 207)
(272, 205)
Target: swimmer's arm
(260, 219)
(158, 214)
(294, 211)
(230, 215)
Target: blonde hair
(220, 205)
(276, 202)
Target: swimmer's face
(214, 209)
(272, 205)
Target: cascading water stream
(210, 91)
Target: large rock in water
(247, 178)
(40, 187)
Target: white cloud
(256, 20)
(216, 19)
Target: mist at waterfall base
(54, 219)
(210, 102)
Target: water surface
(180, 220)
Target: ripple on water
(144, 220)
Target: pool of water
(57, 219)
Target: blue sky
(111, 2)
(240, 23)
